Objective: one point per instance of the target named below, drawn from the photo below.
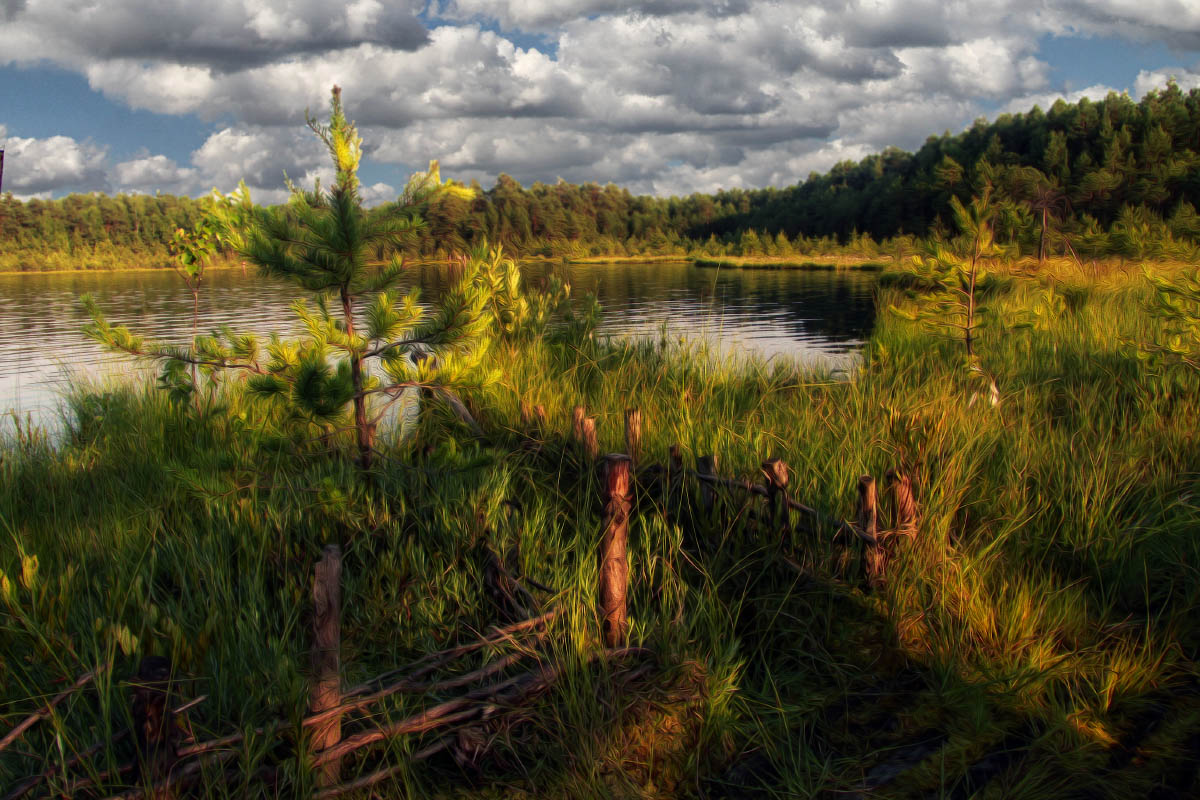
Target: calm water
(816, 318)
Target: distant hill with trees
(1112, 177)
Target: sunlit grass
(1048, 603)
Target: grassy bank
(794, 262)
(1036, 638)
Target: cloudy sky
(661, 96)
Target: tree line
(1111, 177)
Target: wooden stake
(633, 434)
(614, 562)
(776, 473)
(326, 656)
(706, 467)
(904, 507)
(868, 514)
(577, 415)
(590, 445)
(868, 523)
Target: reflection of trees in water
(810, 305)
(818, 305)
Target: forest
(1092, 179)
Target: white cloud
(219, 33)
(1148, 80)
(54, 164)
(151, 173)
(660, 95)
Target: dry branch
(429, 663)
(45, 711)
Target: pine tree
(954, 273)
(325, 242)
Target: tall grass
(1037, 637)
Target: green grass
(1037, 639)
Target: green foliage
(953, 275)
(325, 242)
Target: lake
(816, 318)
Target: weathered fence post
(590, 445)
(707, 465)
(776, 473)
(614, 562)
(577, 415)
(326, 655)
(633, 434)
(868, 524)
(868, 515)
(904, 507)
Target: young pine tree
(954, 273)
(325, 243)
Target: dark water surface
(818, 318)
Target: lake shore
(1042, 609)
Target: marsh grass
(1038, 638)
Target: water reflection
(817, 318)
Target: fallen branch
(383, 774)
(40, 714)
(22, 788)
(429, 663)
(795, 505)
(408, 685)
(177, 778)
(457, 710)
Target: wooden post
(326, 656)
(590, 445)
(633, 434)
(874, 556)
(904, 507)
(577, 415)
(614, 563)
(707, 465)
(776, 473)
(868, 515)
(676, 461)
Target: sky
(664, 97)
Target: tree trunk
(1042, 245)
(362, 427)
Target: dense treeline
(1107, 177)
(92, 231)
(1112, 177)
(1093, 164)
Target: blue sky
(666, 98)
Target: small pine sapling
(325, 242)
